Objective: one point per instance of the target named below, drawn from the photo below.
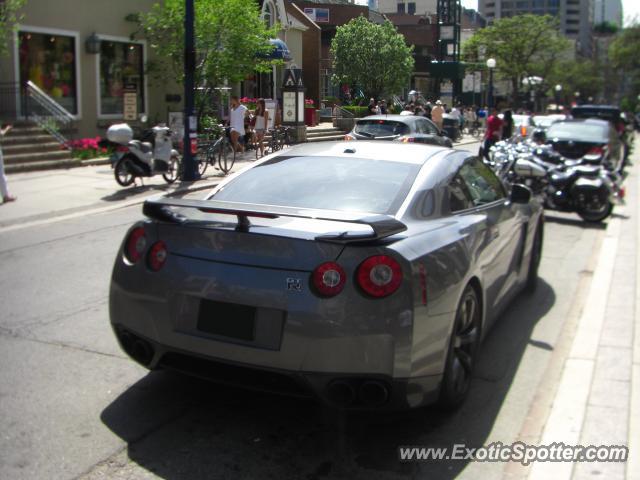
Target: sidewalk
(598, 397)
(63, 193)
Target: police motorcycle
(151, 156)
(581, 186)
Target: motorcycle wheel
(173, 170)
(596, 215)
(123, 174)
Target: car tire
(462, 352)
(534, 260)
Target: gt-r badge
(294, 284)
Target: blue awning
(279, 52)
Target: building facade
(51, 50)
(608, 11)
(409, 7)
(576, 16)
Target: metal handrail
(341, 112)
(47, 113)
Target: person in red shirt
(493, 132)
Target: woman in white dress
(262, 121)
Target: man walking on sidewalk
(236, 122)
(3, 179)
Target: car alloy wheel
(463, 347)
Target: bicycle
(221, 151)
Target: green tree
(8, 18)
(372, 57)
(523, 46)
(623, 54)
(231, 42)
(581, 75)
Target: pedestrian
(507, 125)
(482, 114)
(236, 122)
(470, 117)
(427, 110)
(372, 108)
(383, 107)
(6, 197)
(261, 122)
(493, 132)
(437, 113)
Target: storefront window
(49, 61)
(121, 65)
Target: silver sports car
(363, 274)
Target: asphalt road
(73, 406)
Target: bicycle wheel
(203, 162)
(226, 157)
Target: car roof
(595, 107)
(368, 149)
(394, 117)
(593, 121)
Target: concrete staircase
(322, 134)
(27, 148)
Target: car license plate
(227, 320)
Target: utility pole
(189, 170)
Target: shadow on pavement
(127, 192)
(183, 428)
(574, 222)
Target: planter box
(345, 124)
(310, 117)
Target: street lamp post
(558, 89)
(491, 64)
(189, 170)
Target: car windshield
(579, 132)
(333, 183)
(381, 128)
(609, 114)
(521, 120)
(544, 121)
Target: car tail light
(379, 276)
(597, 150)
(348, 137)
(407, 139)
(157, 256)
(523, 131)
(136, 243)
(329, 279)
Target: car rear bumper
(359, 391)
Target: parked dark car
(606, 112)
(593, 141)
(392, 127)
(364, 274)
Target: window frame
(145, 103)
(471, 162)
(47, 31)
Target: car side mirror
(520, 193)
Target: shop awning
(280, 51)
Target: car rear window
(579, 132)
(611, 115)
(381, 128)
(333, 183)
(521, 120)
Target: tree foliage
(581, 75)
(8, 18)
(624, 57)
(231, 41)
(372, 57)
(523, 46)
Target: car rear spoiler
(382, 226)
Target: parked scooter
(135, 158)
(564, 185)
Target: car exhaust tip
(373, 393)
(142, 352)
(137, 348)
(341, 393)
